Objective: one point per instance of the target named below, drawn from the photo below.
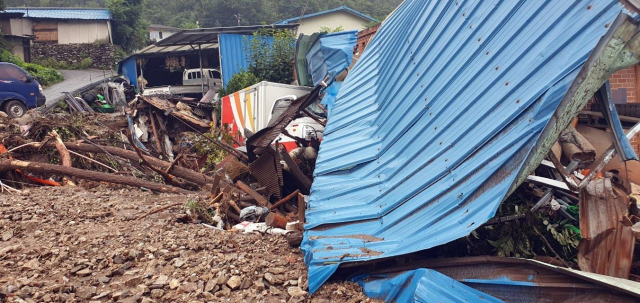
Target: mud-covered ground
(74, 244)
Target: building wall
(625, 85)
(82, 31)
(154, 34)
(20, 27)
(17, 48)
(364, 37)
(332, 20)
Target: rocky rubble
(73, 244)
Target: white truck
(192, 83)
(253, 107)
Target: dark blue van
(18, 90)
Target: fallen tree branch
(65, 157)
(45, 168)
(94, 161)
(178, 171)
(157, 210)
(285, 199)
(169, 179)
(551, 248)
(251, 192)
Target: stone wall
(101, 54)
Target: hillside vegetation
(211, 13)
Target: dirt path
(69, 244)
(73, 80)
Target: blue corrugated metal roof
(420, 285)
(337, 9)
(62, 13)
(330, 55)
(233, 55)
(433, 124)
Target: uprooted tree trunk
(178, 171)
(65, 157)
(44, 168)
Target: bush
(45, 75)
(239, 81)
(55, 64)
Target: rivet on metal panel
(497, 67)
(506, 84)
(480, 39)
(518, 101)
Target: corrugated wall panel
(435, 120)
(233, 54)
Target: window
(160, 35)
(11, 72)
(214, 74)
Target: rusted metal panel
(264, 169)
(607, 245)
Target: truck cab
(212, 77)
(19, 91)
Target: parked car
(19, 91)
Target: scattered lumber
(45, 168)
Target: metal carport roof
(210, 35)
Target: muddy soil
(82, 244)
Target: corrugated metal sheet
(330, 55)
(434, 122)
(337, 9)
(420, 285)
(233, 55)
(520, 280)
(62, 13)
(129, 69)
(607, 244)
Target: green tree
(271, 59)
(130, 31)
(240, 80)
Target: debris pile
(168, 144)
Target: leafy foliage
(271, 59)
(53, 63)
(239, 81)
(329, 30)
(519, 238)
(45, 76)
(130, 31)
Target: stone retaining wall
(101, 54)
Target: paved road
(73, 80)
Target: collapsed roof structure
(452, 105)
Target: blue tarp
(331, 55)
(420, 285)
(436, 119)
